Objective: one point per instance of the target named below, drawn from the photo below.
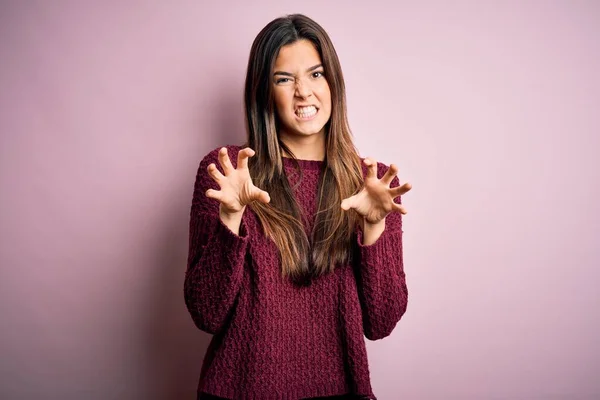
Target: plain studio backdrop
(490, 109)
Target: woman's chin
(308, 132)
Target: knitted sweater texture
(272, 339)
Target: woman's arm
(380, 277)
(215, 259)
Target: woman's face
(301, 92)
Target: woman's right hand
(237, 189)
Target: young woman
(295, 241)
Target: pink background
(489, 108)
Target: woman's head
(293, 64)
(300, 93)
(280, 79)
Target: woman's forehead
(298, 56)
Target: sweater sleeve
(215, 258)
(381, 280)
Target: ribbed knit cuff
(236, 244)
(243, 229)
(386, 247)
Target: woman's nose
(303, 89)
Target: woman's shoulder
(381, 167)
(213, 155)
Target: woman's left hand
(376, 199)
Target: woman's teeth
(306, 112)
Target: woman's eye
(317, 74)
(282, 80)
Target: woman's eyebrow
(289, 74)
(282, 73)
(314, 67)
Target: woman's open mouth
(306, 113)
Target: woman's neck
(310, 147)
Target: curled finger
(400, 190)
(399, 208)
(371, 167)
(264, 197)
(348, 203)
(389, 174)
(214, 173)
(214, 194)
(243, 156)
(225, 161)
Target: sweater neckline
(304, 164)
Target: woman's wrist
(232, 220)
(372, 231)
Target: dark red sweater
(274, 340)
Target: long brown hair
(340, 177)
